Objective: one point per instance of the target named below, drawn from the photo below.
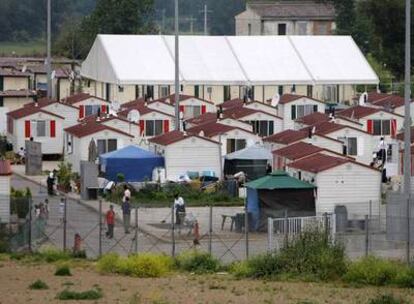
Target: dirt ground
(15, 277)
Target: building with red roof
(340, 182)
(185, 152)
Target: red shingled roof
(133, 103)
(238, 113)
(80, 97)
(175, 136)
(142, 109)
(326, 127)
(18, 93)
(297, 150)
(390, 102)
(26, 111)
(182, 98)
(313, 118)
(5, 168)
(13, 73)
(203, 118)
(213, 129)
(287, 137)
(318, 162)
(358, 112)
(89, 127)
(287, 98)
(375, 96)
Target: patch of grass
(52, 254)
(373, 271)
(63, 271)
(140, 265)
(197, 262)
(38, 285)
(92, 294)
(216, 285)
(387, 299)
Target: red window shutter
(81, 111)
(370, 126)
(166, 126)
(393, 127)
(27, 128)
(52, 128)
(141, 126)
(182, 109)
(103, 109)
(203, 109)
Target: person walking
(50, 183)
(127, 193)
(179, 206)
(126, 214)
(110, 222)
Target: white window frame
(154, 122)
(33, 127)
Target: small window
(302, 28)
(40, 128)
(352, 147)
(382, 127)
(226, 93)
(249, 29)
(164, 91)
(120, 89)
(69, 143)
(92, 109)
(191, 111)
(234, 145)
(377, 127)
(293, 89)
(197, 91)
(386, 127)
(280, 90)
(101, 145)
(112, 145)
(309, 91)
(281, 29)
(150, 92)
(153, 127)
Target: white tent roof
(222, 60)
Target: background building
(286, 17)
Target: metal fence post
(100, 229)
(326, 224)
(30, 225)
(246, 226)
(65, 223)
(269, 234)
(172, 232)
(285, 228)
(366, 235)
(136, 230)
(408, 232)
(210, 229)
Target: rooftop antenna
(275, 100)
(133, 116)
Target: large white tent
(225, 60)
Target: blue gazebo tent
(135, 163)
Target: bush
(314, 255)
(373, 271)
(405, 278)
(198, 262)
(241, 269)
(92, 294)
(108, 263)
(38, 285)
(63, 271)
(142, 265)
(52, 254)
(386, 299)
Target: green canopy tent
(277, 193)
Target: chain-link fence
(386, 230)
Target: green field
(33, 48)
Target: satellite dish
(313, 130)
(250, 142)
(275, 100)
(201, 133)
(133, 116)
(115, 105)
(168, 100)
(53, 75)
(363, 98)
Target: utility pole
(177, 70)
(205, 11)
(49, 57)
(407, 120)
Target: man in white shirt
(382, 147)
(179, 207)
(127, 193)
